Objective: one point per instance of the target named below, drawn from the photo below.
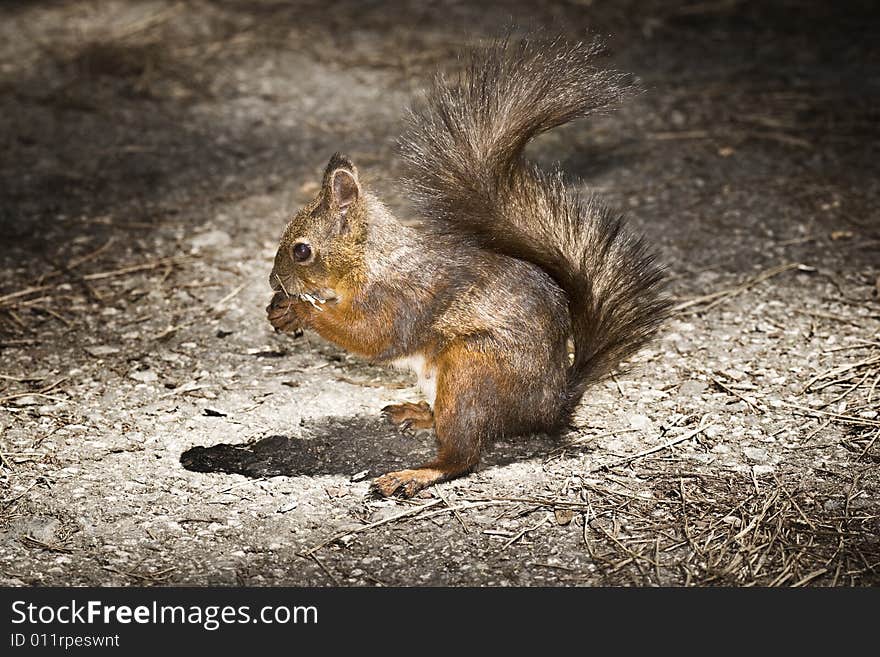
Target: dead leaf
(563, 516)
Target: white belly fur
(427, 375)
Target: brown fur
(510, 265)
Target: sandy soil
(154, 430)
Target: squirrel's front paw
(282, 316)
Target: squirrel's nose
(274, 282)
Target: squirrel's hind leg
(471, 384)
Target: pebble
(27, 400)
(640, 422)
(756, 454)
(692, 388)
(102, 350)
(10, 582)
(144, 376)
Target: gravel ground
(155, 431)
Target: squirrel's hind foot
(407, 483)
(409, 415)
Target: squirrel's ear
(344, 187)
(341, 185)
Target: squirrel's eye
(301, 252)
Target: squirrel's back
(468, 175)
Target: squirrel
(508, 267)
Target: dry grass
(693, 529)
(717, 530)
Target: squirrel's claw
(409, 416)
(282, 316)
(396, 484)
(390, 415)
(407, 483)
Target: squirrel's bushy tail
(464, 152)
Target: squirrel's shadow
(344, 446)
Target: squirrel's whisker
(284, 289)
